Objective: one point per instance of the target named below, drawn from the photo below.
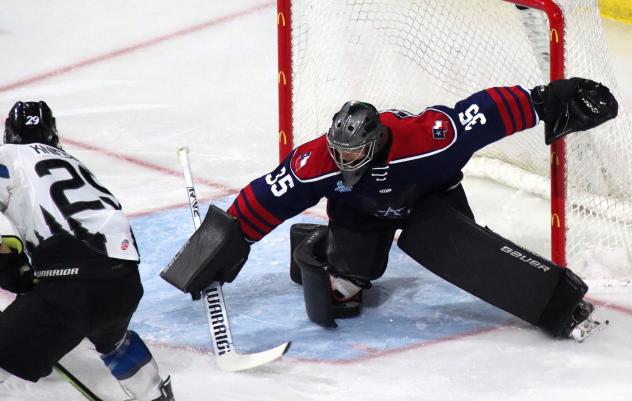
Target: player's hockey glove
(570, 105)
(16, 274)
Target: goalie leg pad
(311, 259)
(557, 318)
(215, 252)
(359, 255)
(479, 261)
(309, 256)
(298, 232)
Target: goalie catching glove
(16, 274)
(571, 105)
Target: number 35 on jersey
(280, 183)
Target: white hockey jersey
(8, 231)
(46, 191)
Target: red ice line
(371, 354)
(610, 305)
(224, 190)
(132, 48)
(374, 353)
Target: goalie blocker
(215, 252)
(463, 253)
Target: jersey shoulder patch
(311, 161)
(418, 135)
(7, 155)
(4, 171)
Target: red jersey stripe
(252, 219)
(513, 106)
(504, 115)
(525, 104)
(246, 228)
(258, 209)
(249, 232)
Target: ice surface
(132, 81)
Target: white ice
(131, 81)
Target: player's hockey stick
(76, 383)
(213, 298)
(70, 378)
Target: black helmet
(31, 122)
(355, 136)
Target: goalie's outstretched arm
(271, 199)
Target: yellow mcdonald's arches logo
(282, 137)
(555, 220)
(554, 33)
(280, 19)
(554, 159)
(282, 77)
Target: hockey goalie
(390, 170)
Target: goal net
(411, 54)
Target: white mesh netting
(411, 54)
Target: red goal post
(300, 44)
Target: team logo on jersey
(4, 171)
(73, 271)
(301, 160)
(340, 187)
(391, 212)
(124, 245)
(439, 129)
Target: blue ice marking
(407, 306)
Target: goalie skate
(581, 324)
(587, 328)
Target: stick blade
(234, 362)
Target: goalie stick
(213, 298)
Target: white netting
(410, 54)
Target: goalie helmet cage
(411, 54)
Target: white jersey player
(68, 250)
(46, 191)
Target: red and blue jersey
(427, 153)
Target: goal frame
(555, 18)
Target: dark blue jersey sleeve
(275, 197)
(490, 115)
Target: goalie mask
(31, 122)
(355, 137)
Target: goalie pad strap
(310, 257)
(559, 311)
(298, 232)
(485, 264)
(215, 252)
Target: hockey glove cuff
(16, 274)
(571, 105)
